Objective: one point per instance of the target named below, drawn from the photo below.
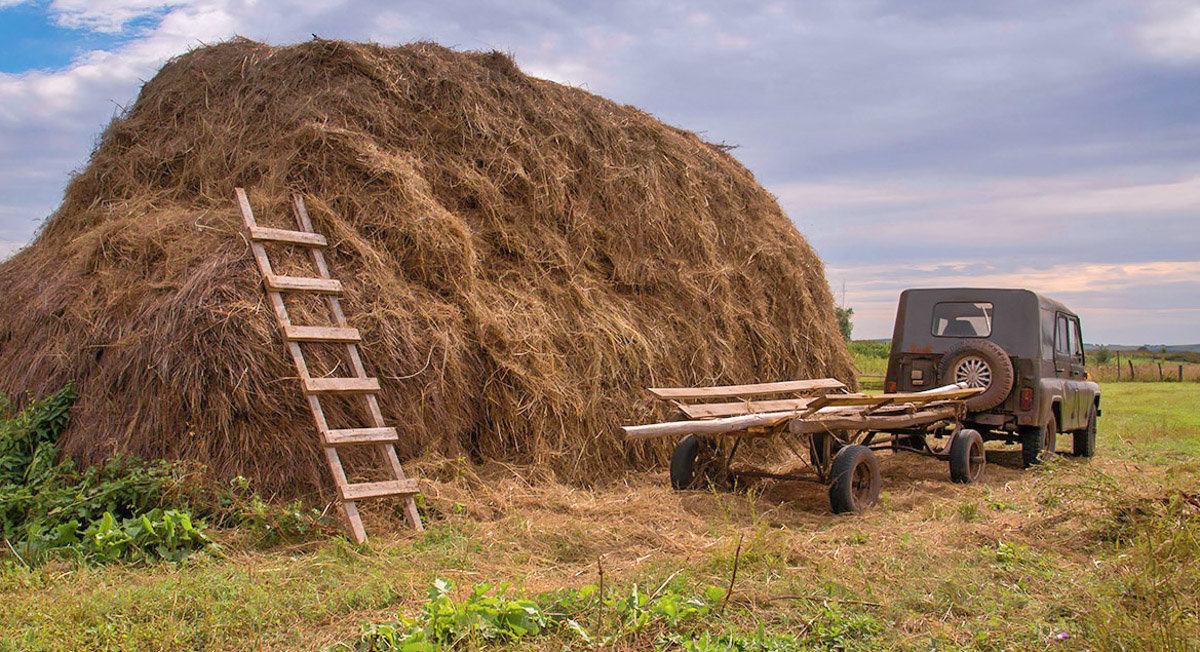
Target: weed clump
(125, 508)
(104, 513)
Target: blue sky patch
(30, 39)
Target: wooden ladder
(378, 435)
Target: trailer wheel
(693, 462)
(855, 480)
(1085, 440)
(967, 457)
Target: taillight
(1026, 398)
(890, 387)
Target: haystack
(521, 257)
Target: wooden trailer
(839, 431)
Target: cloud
(1120, 302)
(1172, 31)
(916, 142)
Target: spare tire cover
(979, 363)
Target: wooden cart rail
(814, 414)
(840, 430)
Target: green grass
(1106, 551)
(1153, 418)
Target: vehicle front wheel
(967, 457)
(1085, 440)
(855, 480)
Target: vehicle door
(1080, 399)
(1066, 338)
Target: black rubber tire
(995, 363)
(855, 480)
(967, 456)
(1085, 440)
(1037, 444)
(683, 462)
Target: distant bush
(871, 348)
(1103, 355)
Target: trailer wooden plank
(871, 421)
(709, 410)
(707, 426)
(875, 401)
(743, 391)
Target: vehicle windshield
(962, 319)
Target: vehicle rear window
(962, 319)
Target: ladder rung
(320, 334)
(341, 385)
(379, 489)
(359, 436)
(304, 284)
(305, 238)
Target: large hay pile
(522, 258)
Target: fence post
(1132, 376)
(1181, 373)
(1118, 365)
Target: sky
(916, 143)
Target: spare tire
(979, 363)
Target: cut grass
(1103, 551)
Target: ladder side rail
(348, 508)
(387, 450)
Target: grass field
(1077, 555)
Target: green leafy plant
(111, 511)
(489, 614)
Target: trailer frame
(840, 429)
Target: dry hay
(521, 256)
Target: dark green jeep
(1024, 348)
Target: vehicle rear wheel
(855, 480)
(1085, 440)
(979, 363)
(967, 457)
(693, 463)
(1038, 444)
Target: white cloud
(106, 16)
(913, 143)
(9, 248)
(1172, 31)
(1111, 296)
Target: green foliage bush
(871, 348)
(104, 513)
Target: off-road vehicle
(1025, 349)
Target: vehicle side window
(1061, 344)
(1076, 342)
(962, 319)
